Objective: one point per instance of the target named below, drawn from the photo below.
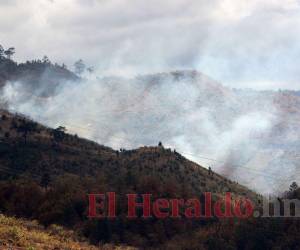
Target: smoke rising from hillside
(186, 110)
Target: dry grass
(29, 235)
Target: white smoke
(236, 41)
(187, 111)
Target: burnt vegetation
(46, 175)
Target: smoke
(187, 111)
(241, 43)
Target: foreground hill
(46, 175)
(20, 234)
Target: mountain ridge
(47, 174)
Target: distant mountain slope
(37, 74)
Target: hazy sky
(241, 43)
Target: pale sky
(240, 43)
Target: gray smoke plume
(233, 131)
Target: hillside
(46, 175)
(30, 148)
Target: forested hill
(33, 74)
(47, 173)
(31, 149)
(53, 172)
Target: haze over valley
(247, 135)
